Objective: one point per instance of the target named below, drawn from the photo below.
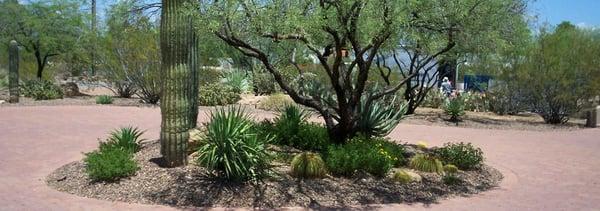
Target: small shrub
(455, 107)
(476, 101)
(232, 147)
(127, 138)
(275, 102)
(426, 163)
(288, 123)
(451, 179)
(104, 99)
(311, 136)
(434, 99)
(376, 157)
(451, 169)
(464, 156)
(217, 94)
(263, 81)
(110, 164)
(41, 90)
(402, 177)
(308, 165)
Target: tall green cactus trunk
(13, 72)
(179, 100)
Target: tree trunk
(40, 64)
(179, 104)
(93, 51)
(13, 72)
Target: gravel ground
(192, 186)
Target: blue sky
(585, 13)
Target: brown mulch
(193, 186)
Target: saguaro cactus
(179, 100)
(13, 72)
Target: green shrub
(104, 99)
(263, 81)
(376, 157)
(464, 156)
(217, 94)
(110, 164)
(275, 102)
(455, 107)
(311, 136)
(308, 165)
(402, 177)
(127, 138)
(426, 163)
(41, 90)
(476, 101)
(232, 147)
(451, 169)
(288, 123)
(504, 100)
(434, 99)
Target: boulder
(70, 89)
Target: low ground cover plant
(110, 164)
(104, 99)
(373, 156)
(465, 156)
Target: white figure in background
(446, 87)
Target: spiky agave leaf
(379, 117)
(127, 138)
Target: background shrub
(434, 99)
(308, 165)
(217, 94)
(476, 101)
(504, 100)
(104, 99)
(463, 155)
(275, 102)
(110, 164)
(426, 163)
(41, 90)
(232, 147)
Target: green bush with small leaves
(426, 163)
(104, 99)
(374, 156)
(463, 155)
(217, 95)
(127, 138)
(308, 165)
(455, 108)
(110, 164)
(41, 90)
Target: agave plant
(127, 138)
(238, 80)
(380, 117)
(232, 147)
(288, 123)
(455, 107)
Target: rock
(70, 89)
(2, 101)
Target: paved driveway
(543, 170)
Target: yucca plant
(308, 165)
(455, 107)
(426, 163)
(288, 123)
(380, 117)
(232, 148)
(127, 138)
(238, 80)
(104, 99)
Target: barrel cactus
(308, 165)
(13, 72)
(179, 100)
(426, 163)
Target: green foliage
(451, 169)
(308, 165)
(209, 75)
(288, 123)
(374, 156)
(217, 94)
(402, 177)
(455, 108)
(232, 147)
(127, 138)
(451, 179)
(104, 99)
(311, 136)
(463, 155)
(110, 164)
(434, 99)
(379, 117)
(238, 80)
(506, 99)
(263, 82)
(41, 90)
(276, 102)
(426, 163)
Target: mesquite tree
(324, 30)
(13, 72)
(179, 103)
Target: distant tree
(44, 28)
